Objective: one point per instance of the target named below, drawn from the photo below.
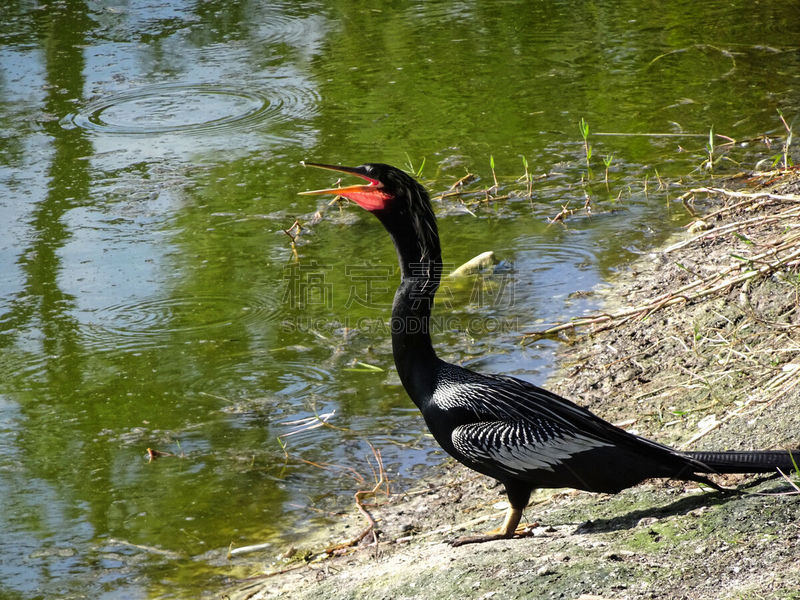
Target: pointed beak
(369, 196)
(342, 191)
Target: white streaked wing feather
(519, 447)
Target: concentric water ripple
(556, 255)
(194, 108)
(153, 320)
(252, 373)
(288, 29)
(300, 378)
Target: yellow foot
(525, 529)
(495, 534)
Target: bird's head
(386, 189)
(399, 202)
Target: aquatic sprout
(607, 160)
(528, 178)
(709, 163)
(587, 148)
(416, 172)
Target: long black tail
(756, 461)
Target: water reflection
(41, 498)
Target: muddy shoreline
(718, 371)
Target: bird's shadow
(678, 507)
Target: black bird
(506, 428)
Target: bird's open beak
(369, 196)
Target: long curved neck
(420, 259)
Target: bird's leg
(505, 531)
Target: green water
(149, 298)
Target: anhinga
(503, 427)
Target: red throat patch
(370, 197)
(367, 197)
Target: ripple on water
(152, 321)
(266, 377)
(194, 108)
(277, 27)
(555, 255)
(300, 378)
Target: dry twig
(380, 481)
(758, 265)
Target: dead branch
(730, 227)
(380, 481)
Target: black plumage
(524, 436)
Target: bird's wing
(499, 398)
(520, 447)
(544, 428)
